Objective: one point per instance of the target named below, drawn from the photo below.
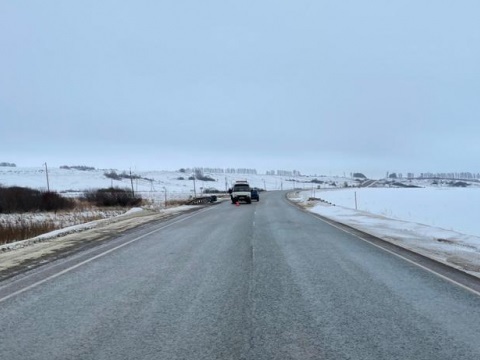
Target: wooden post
(48, 182)
(131, 181)
(194, 187)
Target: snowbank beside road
(445, 207)
(447, 246)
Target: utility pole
(131, 181)
(165, 189)
(46, 172)
(194, 187)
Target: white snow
(437, 222)
(449, 208)
(152, 184)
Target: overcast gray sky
(323, 87)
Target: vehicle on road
(241, 191)
(254, 195)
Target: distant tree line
(242, 171)
(443, 175)
(284, 172)
(77, 167)
(239, 171)
(358, 175)
(219, 170)
(112, 196)
(7, 164)
(123, 175)
(199, 175)
(451, 175)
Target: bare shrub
(52, 201)
(112, 196)
(16, 199)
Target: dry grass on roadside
(173, 203)
(21, 229)
(16, 227)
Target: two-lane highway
(259, 281)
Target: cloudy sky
(323, 87)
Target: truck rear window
(241, 188)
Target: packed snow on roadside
(437, 222)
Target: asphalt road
(259, 281)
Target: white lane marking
(475, 292)
(18, 292)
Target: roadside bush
(17, 199)
(112, 196)
(52, 201)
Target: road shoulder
(28, 254)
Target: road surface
(259, 281)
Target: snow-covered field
(151, 184)
(440, 223)
(443, 207)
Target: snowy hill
(152, 184)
